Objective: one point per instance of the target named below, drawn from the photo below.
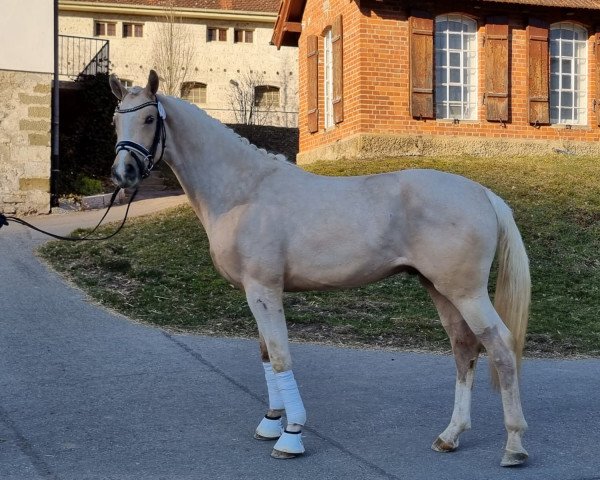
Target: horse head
(140, 129)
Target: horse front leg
(270, 427)
(266, 305)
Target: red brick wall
(376, 77)
(316, 19)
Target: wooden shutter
(421, 66)
(538, 73)
(312, 56)
(496, 71)
(597, 59)
(338, 69)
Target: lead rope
(160, 136)
(5, 218)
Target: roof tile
(237, 5)
(587, 4)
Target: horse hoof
(513, 459)
(269, 429)
(264, 439)
(289, 445)
(283, 455)
(443, 446)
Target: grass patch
(158, 269)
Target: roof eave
(288, 28)
(151, 10)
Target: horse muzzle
(125, 172)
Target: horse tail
(513, 284)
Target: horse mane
(229, 132)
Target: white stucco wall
(215, 64)
(26, 66)
(26, 35)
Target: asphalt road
(88, 394)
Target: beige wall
(25, 142)
(26, 30)
(215, 64)
(26, 63)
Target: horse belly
(339, 267)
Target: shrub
(87, 139)
(84, 185)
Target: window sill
(563, 126)
(450, 121)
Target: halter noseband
(146, 162)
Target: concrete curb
(101, 201)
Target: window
(126, 83)
(194, 92)
(455, 67)
(243, 36)
(133, 30)
(328, 78)
(266, 96)
(105, 29)
(216, 34)
(568, 74)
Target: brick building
(482, 77)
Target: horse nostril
(130, 170)
(115, 174)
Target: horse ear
(117, 87)
(152, 86)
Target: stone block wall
(25, 124)
(214, 64)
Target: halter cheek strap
(145, 158)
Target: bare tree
(174, 51)
(252, 101)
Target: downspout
(54, 166)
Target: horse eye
(149, 119)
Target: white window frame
(191, 89)
(105, 25)
(456, 68)
(568, 74)
(328, 78)
(267, 96)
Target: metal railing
(82, 56)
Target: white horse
(273, 227)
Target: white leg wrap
(275, 400)
(288, 389)
(290, 443)
(269, 429)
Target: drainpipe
(54, 170)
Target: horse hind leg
(466, 348)
(485, 322)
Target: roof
(235, 5)
(288, 25)
(587, 4)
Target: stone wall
(273, 139)
(25, 124)
(215, 63)
(372, 146)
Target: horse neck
(217, 170)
